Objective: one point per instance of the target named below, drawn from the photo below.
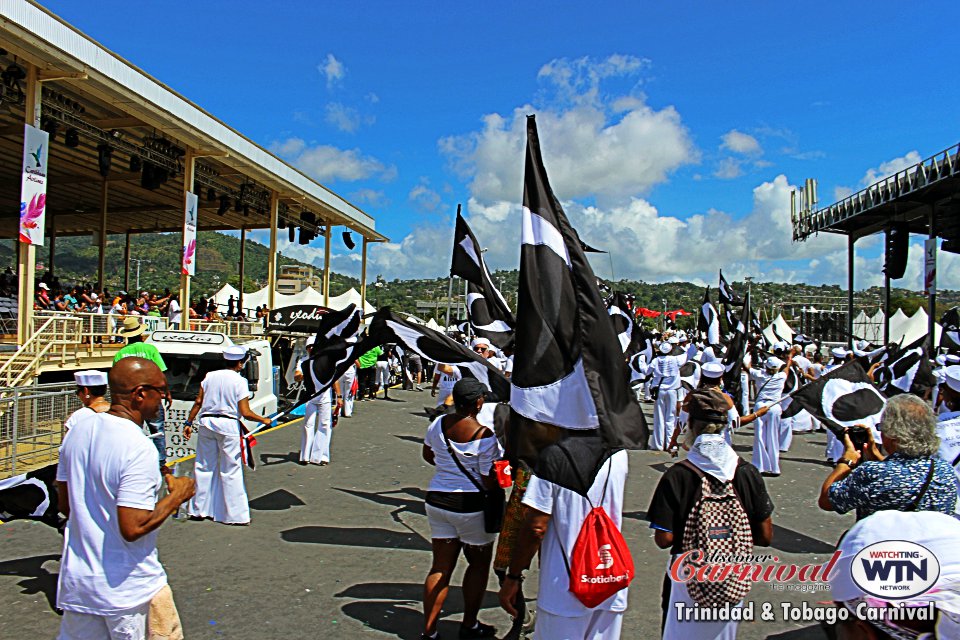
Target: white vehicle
(189, 356)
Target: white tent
(432, 324)
(914, 328)
(351, 296)
(896, 323)
(308, 296)
(783, 329)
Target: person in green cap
(133, 331)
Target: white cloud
(739, 142)
(728, 168)
(889, 168)
(326, 163)
(342, 117)
(425, 198)
(372, 197)
(579, 80)
(332, 69)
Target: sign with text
(190, 236)
(302, 318)
(33, 187)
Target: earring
(87, 397)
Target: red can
(504, 473)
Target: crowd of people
(906, 473)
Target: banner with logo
(189, 266)
(929, 265)
(33, 187)
(301, 318)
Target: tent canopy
(308, 296)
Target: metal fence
(31, 425)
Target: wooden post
(189, 164)
(243, 251)
(27, 253)
(52, 239)
(272, 262)
(363, 277)
(102, 258)
(326, 266)
(126, 265)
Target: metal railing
(31, 425)
(233, 329)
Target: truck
(189, 356)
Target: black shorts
(414, 365)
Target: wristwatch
(515, 576)
(849, 463)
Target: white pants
(801, 422)
(745, 391)
(346, 384)
(382, 376)
(596, 625)
(676, 629)
(664, 419)
(835, 447)
(129, 625)
(218, 471)
(317, 431)
(766, 441)
(443, 392)
(646, 390)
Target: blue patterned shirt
(893, 485)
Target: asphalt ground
(341, 551)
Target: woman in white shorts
(455, 508)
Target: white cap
(773, 362)
(953, 359)
(951, 377)
(941, 359)
(838, 352)
(91, 378)
(43, 285)
(673, 340)
(682, 336)
(666, 347)
(94, 296)
(783, 345)
(235, 352)
(712, 370)
(311, 340)
(862, 344)
(480, 341)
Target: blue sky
(673, 132)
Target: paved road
(341, 551)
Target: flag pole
(446, 327)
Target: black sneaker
(479, 631)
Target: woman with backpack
(711, 479)
(463, 452)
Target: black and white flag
(387, 327)
(727, 295)
(488, 312)
(621, 315)
(737, 351)
(690, 375)
(843, 398)
(569, 371)
(31, 496)
(906, 370)
(709, 322)
(950, 335)
(333, 349)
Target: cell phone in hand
(859, 436)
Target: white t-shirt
(173, 311)
(571, 510)
(107, 463)
(769, 387)
(476, 456)
(222, 392)
(666, 371)
(447, 380)
(80, 414)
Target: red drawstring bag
(600, 562)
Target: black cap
(467, 390)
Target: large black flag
(31, 496)
(489, 314)
(709, 322)
(333, 349)
(727, 295)
(569, 371)
(950, 336)
(906, 370)
(388, 327)
(737, 351)
(620, 309)
(845, 397)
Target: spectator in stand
(910, 477)
(42, 300)
(174, 313)
(70, 300)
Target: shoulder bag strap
(456, 459)
(923, 490)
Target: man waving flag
(569, 370)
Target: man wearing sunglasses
(108, 479)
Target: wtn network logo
(895, 569)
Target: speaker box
(896, 248)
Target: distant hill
(219, 257)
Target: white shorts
(596, 625)
(465, 527)
(129, 625)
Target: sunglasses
(164, 390)
(479, 349)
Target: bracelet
(188, 423)
(515, 576)
(846, 462)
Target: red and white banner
(33, 187)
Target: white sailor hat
(673, 340)
(235, 352)
(951, 377)
(666, 347)
(862, 344)
(712, 370)
(90, 378)
(941, 359)
(838, 352)
(311, 340)
(682, 337)
(953, 358)
(479, 341)
(43, 285)
(773, 362)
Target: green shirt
(141, 350)
(369, 359)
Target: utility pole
(138, 261)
